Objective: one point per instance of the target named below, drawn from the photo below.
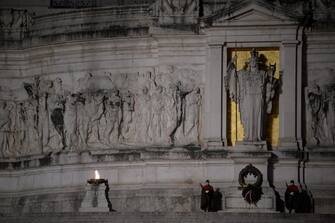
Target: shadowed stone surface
(169, 218)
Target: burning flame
(97, 175)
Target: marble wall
(137, 91)
(125, 92)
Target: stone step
(148, 217)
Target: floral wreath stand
(251, 193)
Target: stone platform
(164, 217)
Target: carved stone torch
(96, 198)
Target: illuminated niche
(234, 126)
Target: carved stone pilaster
(213, 115)
(288, 99)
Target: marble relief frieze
(15, 24)
(320, 103)
(106, 111)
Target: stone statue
(253, 90)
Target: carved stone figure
(14, 23)
(330, 99)
(192, 114)
(173, 107)
(6, 123)
(83, 121)
(157, 121)
(253, 90)
(271, 87)
(128, 106)
(176, 11)
(314, 100)
(320, 101)
(178, 7)
(56, 106)
(70, 122)
(29, 128)
(20, 133)
(113, 115)
(143, 115)
(95, 107)
(180, 106)
(44, 123)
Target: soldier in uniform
(291, 194)
(207, 192)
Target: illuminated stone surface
(137, 92)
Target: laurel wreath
(251, 193)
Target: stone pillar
(288, 98)
(299, 90)
(95, 199)
(234, 200)
(224, 98)
(213, 114)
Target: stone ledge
(166, 217)
(114, 155)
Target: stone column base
(250, 155)
(95, 199)
(234, 201)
